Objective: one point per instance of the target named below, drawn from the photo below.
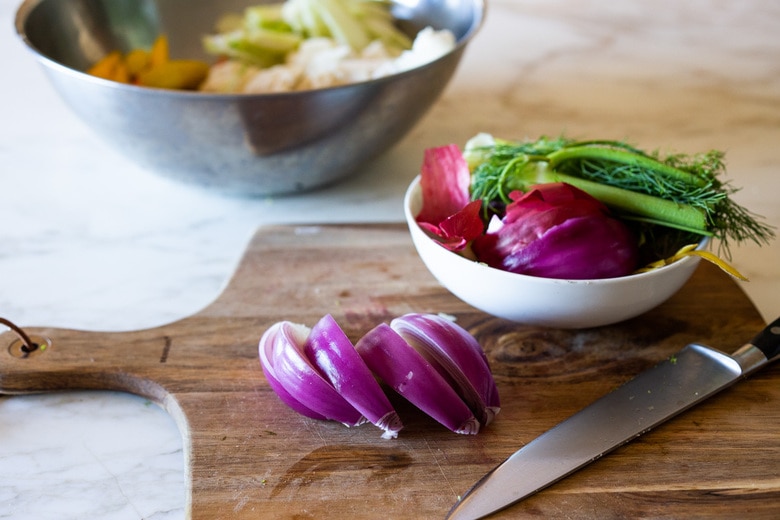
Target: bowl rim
(415, 190)
(27, 7)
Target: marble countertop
(91, 241)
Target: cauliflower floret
(228, 76)
(428, 46)
(320, 53)
(279, 78)
(376, 50)
(364, 66)
(323, 62)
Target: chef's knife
(671, 387)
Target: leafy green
(679, 191)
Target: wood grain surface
(249, 456)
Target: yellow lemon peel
(690, 250)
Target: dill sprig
(684, 192)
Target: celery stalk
(268, 16)
(639, 206)
(274, 42)
(344, 28)
(622, 156)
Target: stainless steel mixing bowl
(248, 144)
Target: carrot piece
(176, 74)
(137, 60)
(106, 67)
(160, 52)
(121, 73)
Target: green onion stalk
(677, 192)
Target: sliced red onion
(295, 379)
(459, 357)
(334, 354)
(434, 363)
(558, 231)
(402, 368)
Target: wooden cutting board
(249, 456)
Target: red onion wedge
(334, 354)
(457, 355)
(296, 380)
(428, 359)
(402, 368)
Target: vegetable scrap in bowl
(283, 47)
(151, 68)
(309, 44)
(571, 234)
(428, 359)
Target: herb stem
(622, 156)
(638, 205)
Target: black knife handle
(768, 340)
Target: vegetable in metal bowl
(234, 143)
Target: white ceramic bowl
(547, 302)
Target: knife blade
(654, 396)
